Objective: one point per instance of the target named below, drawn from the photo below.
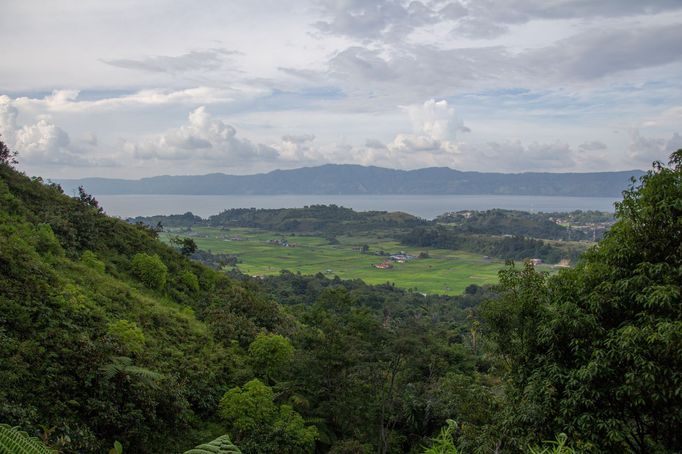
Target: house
(536, 262)
(384, 265)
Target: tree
(258, 425)
(187, 246)
(150, 270)
(270, 354)
(597, 351)
(88, 199)
(7, 156)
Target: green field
(444, 272)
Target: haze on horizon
(131, 89)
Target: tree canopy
(596, 351)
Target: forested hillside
(107, 335)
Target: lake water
(425, 206)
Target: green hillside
(109, 335)
(108, 338)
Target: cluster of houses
(282, 243)
(402, 257)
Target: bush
(270, 354)
(128, 334)
(90, 260)
(46, 241)
(189, 280)
(150, 270)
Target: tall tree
(596, 352)
(7, 156)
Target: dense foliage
(107, 334)
(221, 445)
(14, 441)
(576, 225)
(506, 247)
(597, 351)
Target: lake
(425, 206)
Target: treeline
(314, 219)
(507, 247)
(574, 226)
(321, 219)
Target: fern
(221, 445)
(557, 446)
(14, 441)
(123, 366)
(444, 442)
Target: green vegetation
(260, 253)
(326, 238)
(509, 247)
(108, 337)
(14, 441)
(597, 350)
(221, 445)
(576, 225)
(260, 425)
(144, 349)
(150, 270)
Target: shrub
(46, 241)
(189, 280)
(128, 334)
(270, 354)
(90, 260)
(150, 270)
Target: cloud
(363, 19)
(434, 126)
(513, 155)
(431, 142)
(421, 71)
(67, 100)
(479, 28)
(41, 142)
(645, 150)
(599, 53)
(375, 144)
(392, 20)
(595, 145)
(298, 148)
(668, 117)
(201, 138)
(193, 61)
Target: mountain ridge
(354, 179)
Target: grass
(444, 272)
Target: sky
(140, 88)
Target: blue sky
(132, 89)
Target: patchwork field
(444, 271)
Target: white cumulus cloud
(201, 138)
(41, 142)
(434, 126)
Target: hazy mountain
(354, 179)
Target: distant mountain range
(355, 179)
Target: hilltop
(355, 179)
